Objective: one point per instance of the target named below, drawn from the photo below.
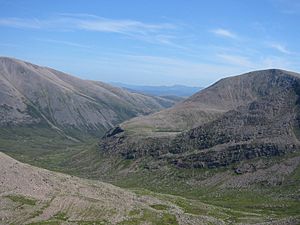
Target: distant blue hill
(174, 90)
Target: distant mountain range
(173, 90)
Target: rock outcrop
(260, 117)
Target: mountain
(241, 132)
(229, 154)
(31, 95)
(237, 118)
(208, 104)
(173, 90)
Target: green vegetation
(52, 222)
(152, 218)
(42, 147)
(134, 212)
(92, 222)
(159, 207)
(46, 148)
(22, 199)
(61, 216)
(46, 223)
(256, 203)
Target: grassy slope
(39, 146)
(269, 202)
(45, 148)
(266, 200)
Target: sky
(153, 42)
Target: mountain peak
(238, 118)
(209, 103)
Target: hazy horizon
(153, 43)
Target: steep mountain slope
(30, 94)
(256, 114)
(208, 104)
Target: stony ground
(30, 195)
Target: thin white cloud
(276, 62)
(21, 23)
(236, 60)
(244, 54)
(168, 68)
(256, 62)
(224, 33)
(279, 47)
(68, 43)
(151, 32)
(121, 26)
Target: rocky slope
(238, 118)
(34, 95)
(207, 105)
(30, 195)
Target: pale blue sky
(154, 42)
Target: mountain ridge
(214, 101)
(255, 109)
(35, 95)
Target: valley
(31, 195)
(227, 155)
(149, 112)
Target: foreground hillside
(31, 95)
(30, 195)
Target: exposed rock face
(260, 118)
(30, 94)
(210, 103)
(114, 131)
